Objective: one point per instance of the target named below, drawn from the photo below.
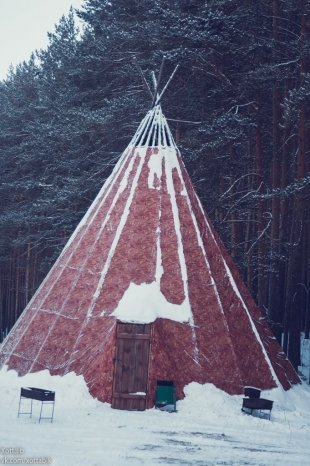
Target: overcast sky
(24, 25)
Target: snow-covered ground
(208, 428)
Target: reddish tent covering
(145, 291)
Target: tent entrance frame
(131, 366)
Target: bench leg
(41, 411)
(28, 412)
(20, 399)
(47, 417)
(260, 411)
(53, 412)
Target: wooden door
(131, 366)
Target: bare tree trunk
(273, 307)
(27, 272)
(307, 306)
(261, 224)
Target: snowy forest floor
(208, 428)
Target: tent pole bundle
(157, 97)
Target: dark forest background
(239, 110)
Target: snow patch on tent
(145, 303)
(155, 169)
(159, 264)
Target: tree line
(239, 110)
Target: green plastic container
(165, 395)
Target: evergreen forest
(239, 110)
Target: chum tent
(144, 291)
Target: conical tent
(145, 291)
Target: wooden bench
(39, 394)
(253, 402)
